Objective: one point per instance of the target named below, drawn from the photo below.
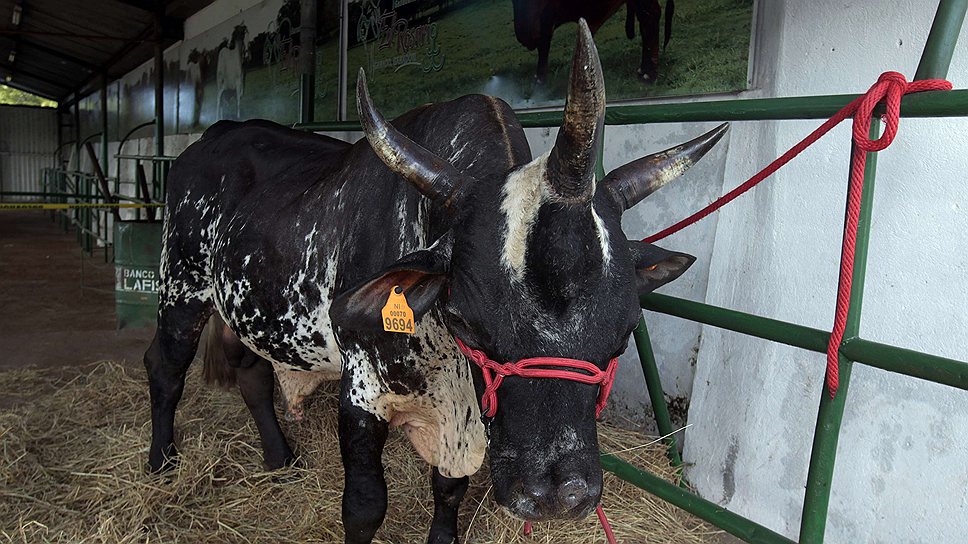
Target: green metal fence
(935, 60)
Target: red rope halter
(577, 370)
(533, 367)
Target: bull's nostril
(573, 492)
(537, 492)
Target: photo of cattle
(247, 66)
(419, 51)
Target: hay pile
(73, 444)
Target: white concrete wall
(902, 468)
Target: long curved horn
(431, 175)
(571, 165)
(638, 179)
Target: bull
(298, 241)
(535, 22)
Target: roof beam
(144, 5)
(103, 69)
(29, 44)
(15, 72)
(15, 85)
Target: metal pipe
(159, 82)
(307, 60)
(734, 524)
(77, 136)
(883, 356)
(823, 454)
(775, 330)
(653, 383)
(927, 104)
(102, 182)
(344, 38)
(940, 46)
(104, 122)
(124, 140)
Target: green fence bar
(656, 393)
(908, 362)
(940, 45)
(929, 104)
(790, 334)
(701, 508)
(823, 455)
(933, 104)
(883, 356)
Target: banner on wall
(419, 51)
(247, 67)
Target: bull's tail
(670, 9)
(216, 369)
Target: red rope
(609, 535)
(890, 87)
(579, 371)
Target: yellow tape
(68, 206)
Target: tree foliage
(9, 95)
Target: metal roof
(59, 49)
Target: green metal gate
(934, 63)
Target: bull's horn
(638, 179)
(433, 176)
(571, 164)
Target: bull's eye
(456, 321)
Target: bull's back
(533, 18)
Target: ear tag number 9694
(397, 315)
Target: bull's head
(534, 263)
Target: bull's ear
(655, 267)
(421, 277)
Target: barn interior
(722, 425)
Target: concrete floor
(57, 308)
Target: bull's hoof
(646, 77)
(284, 473)
(163, 461)
(442, 537)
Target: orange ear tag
(397, 315)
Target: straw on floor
(73, 444)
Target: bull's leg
(448, 494)
(544, 46)
(255, 378)
(648, 13)
(166, 361)
(361, 439)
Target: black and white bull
(297, 240)
(535, 22)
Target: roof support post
(159, 84)
(104, 123)
(76, 122)
(307, 60)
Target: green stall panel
(137, 251)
